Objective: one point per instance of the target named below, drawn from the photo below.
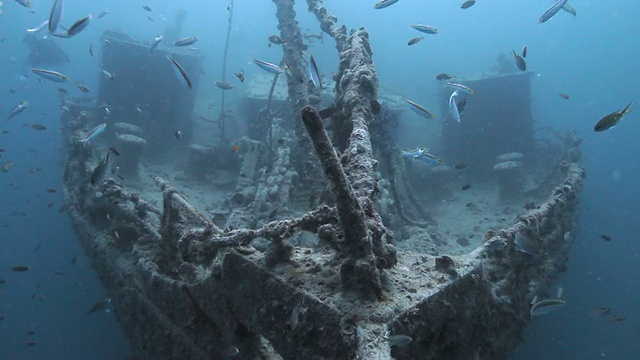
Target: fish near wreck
(519, 60)
(552, 10)
(384, 4)
(612, 119)
(100, 171)
(546, 306)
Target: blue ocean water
(592, 57)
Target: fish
(83, 87)
(91, 50)
(328, 112)
(453, 107)
(230, 352)
(524, 51)
(39, 127)
(443, 77)
(275, 39)
(186, 41)
(547, 305)
(605, 237)
(20, 268)
(100, 171)
(384, 4)
(177, 134)
(31, 343)
(239, 76)
(39, 27)
(423, 155)
(50, 75)
(519, 61)
(79, 25)
(564, 96)
(467, 4)
(461, 166)
(146, 8)
(156, 41)
(93, 133)
(74, 259)
(552, 10)
(17, 109)
(425, 29)
(7, 166)
(459, 87)
(103, 13)
(398, 340)
(235, 148)
(113, 150)
(461, 105)
(420, 110)
(466, 186)
(99, 305)
(527, 244)
(109, 75)
(314, 74)
(568, 8)
(269, 67)
(616, 319)
(180, 72)
(223, 85)
(150, 18)
(56, 15)
(25, 3)
(3, 281)
(415, 40)
(612, 119)
(600, 311)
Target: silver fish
(186, 41)
(79, 25)
(103, 13)
(398, 340)
(551, 11)
(384, 3)
(156, 41)
(546, 306)
(453, 107)
(223, 85)
(109, 75)
(182, 74)
(420, 110)
(425, 29)
(56, 15)
(37, 29)
(50, 75)
(314, 74)
(461, 88)
(527, 244)
(93, 133)
(568, 8)
(17, 109)
(269, 67)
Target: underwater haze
(592, 57)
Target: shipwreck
(309, 242)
